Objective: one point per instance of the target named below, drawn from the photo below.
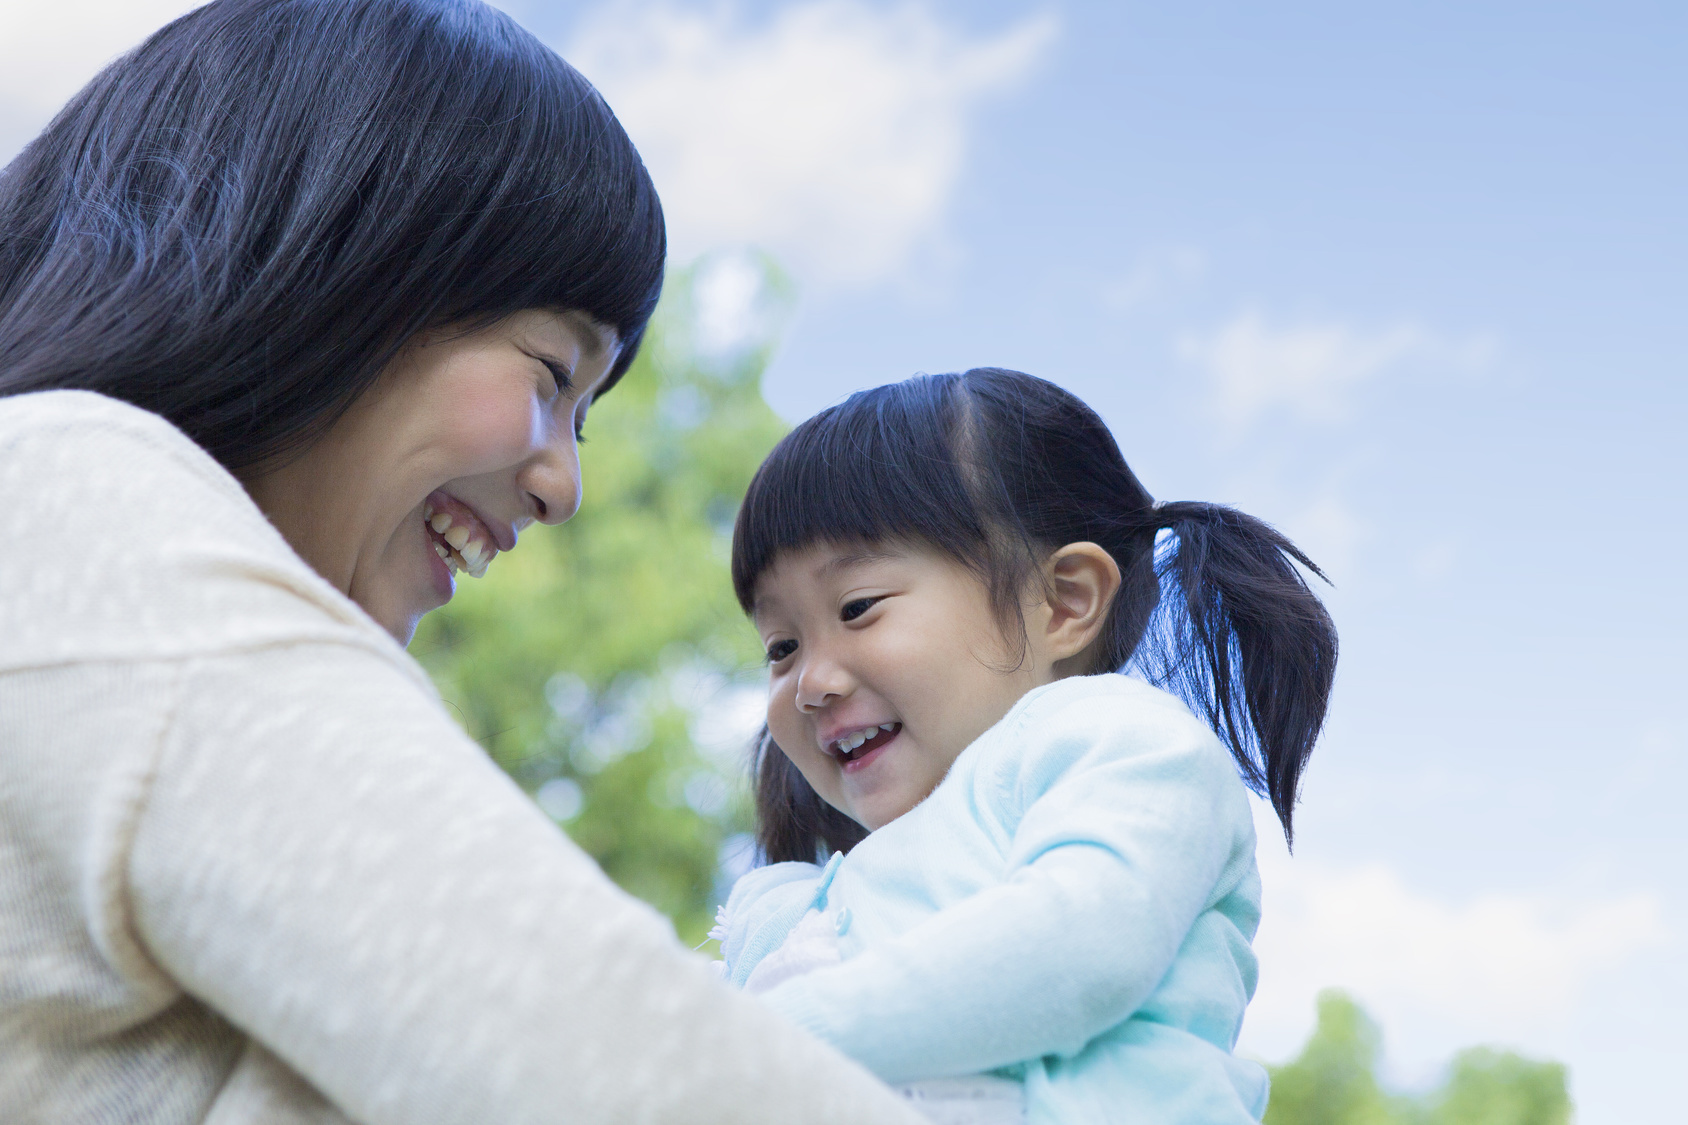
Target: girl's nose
(551, 480)
(820, 684)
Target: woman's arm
(1110, 866)
(324, 859)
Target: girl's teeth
(850, 743)
(456, 536)
(440, 522)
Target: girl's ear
(1082, 580)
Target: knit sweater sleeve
(329, 864)
(1119, 833)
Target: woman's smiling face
(885, 664)
(466, 438)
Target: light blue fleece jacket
(1072, 906)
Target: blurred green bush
(1334, 1082)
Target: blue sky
(1405, 280)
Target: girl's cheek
(782, 709)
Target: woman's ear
(1082, 580)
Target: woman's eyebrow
(599, 338)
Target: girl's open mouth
(856, 749)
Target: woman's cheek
(492, 432)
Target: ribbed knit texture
(252, 872)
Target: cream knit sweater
(252, 872)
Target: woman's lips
(460, 538)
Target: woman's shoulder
(60, 449)
(139, 545)
(70, 417)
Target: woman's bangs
(600, 250)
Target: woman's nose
(552, 480)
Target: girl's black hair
(239, 223)
(997, 469)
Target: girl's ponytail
(1253, 650)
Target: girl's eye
(855, 609)
(779, 650)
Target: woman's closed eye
(561, 377)
(779, 650)
(562, 386)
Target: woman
(301, 307)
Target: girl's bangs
(879, 467)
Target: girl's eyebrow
(851, 561)
(831, 566)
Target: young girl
(1042, 886)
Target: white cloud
(48, 51)
(1309, 370)
(1312, 369)
(832, 134)
(1501, 968)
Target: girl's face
(464, 439)
(886, 662)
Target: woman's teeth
(467, 553)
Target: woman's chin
(399, 621)
(398, 610)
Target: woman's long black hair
(997, 469)
(237, 224)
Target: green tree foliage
(586, 660)
(1334, 1082)
(1487, 1087)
